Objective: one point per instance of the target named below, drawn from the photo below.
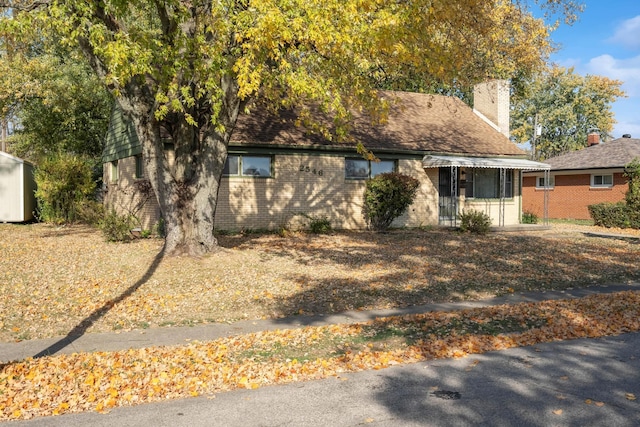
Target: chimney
(491, 102)
(593, 139)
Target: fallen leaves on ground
(101, 381)
(57, 279)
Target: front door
(447, 195)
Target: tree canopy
(184, 70)
(59, 102)
(567, 107)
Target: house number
(314, 171)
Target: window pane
(256, 166)
(508, 189)
(486, 183)
(114, 171)
(602, 180)
(356, 168)
(231, 167)
(383, 166)
(139, 166)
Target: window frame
(139, 172)
(240, 166)
(394, 168)
(471, 180)
(552, 182)
(114, 172)
(602, 184)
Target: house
(17, 189)
(581, 178)
(278, 175)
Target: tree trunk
(185, 164)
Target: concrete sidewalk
(168, 336)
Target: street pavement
(587, 382)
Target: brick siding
(571, 195)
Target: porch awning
(483, 162)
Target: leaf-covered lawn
(103, 380)
(57, 280)
(54, 281)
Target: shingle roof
(419, 122)
(613, 154)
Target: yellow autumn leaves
(102, 380)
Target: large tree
(59, 102)
(183, 70)
(565, 107)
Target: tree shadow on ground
(578, 383)
(82, 327)
(403, 269)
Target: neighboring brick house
(581, 178)
(278, 175)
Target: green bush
(529, 218)
(617, 215)
(116, 227)
(63, 182)
(632, 196)
(474, 221)
(386, 197)
(319, 225)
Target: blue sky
(605, 41)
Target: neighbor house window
(113, 172)
(541, 184)
(255, 166)
(362, 169)
(484, 183)
(139, 167)
(601, 180)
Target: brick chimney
(491, 102)
(593, 139)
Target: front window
(484, 183)
(255, 166)
(363, 169)
(602, 180)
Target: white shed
(17, 189)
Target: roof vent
(626, 135)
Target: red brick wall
(571, 195)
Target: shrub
(319, 225)
(529, 218)
(617, 215)
(632, 196)
(386, 197)
(63, 182)
(116, 227)
(90, 212)
(474, 221)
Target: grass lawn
(54, 279)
